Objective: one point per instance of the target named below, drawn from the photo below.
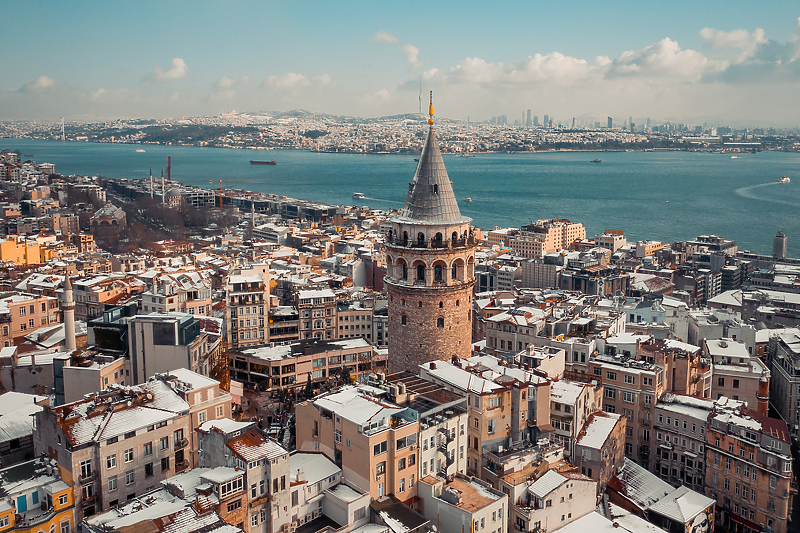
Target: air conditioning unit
(413, 447)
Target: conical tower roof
(430, 197)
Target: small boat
(358, 195)
(784, 179)
(416, 159)
(467, 199)
(140, 151)
(734, 157)
(28, 155)
(467, 154)
(271, 162)
(596, 161)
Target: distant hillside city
(300, 130)
(185, 360)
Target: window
(254, 516)
(112, 483)
(440, 322)
(148, 448)
(148, 470)
(627, 396)
(165, 443)
(232, 506)
(611, 375)
(720, 382)
(380, 468)
(490, 426)
(129, 478)
(111, 461)
(65, 526)
(379, 448)
(735, 383)
(220, 411)
(63, 499)
(86, 468)
(231, 487)
(201, 417)
(402, 486)
(130, 434)
(401, 464)
(629, 379)
(337, 436)
(165, 464)
(129, 455)
(611, 393)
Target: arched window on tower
(435, 188)
(437, 273)
(440, 322)
(403, 320)
(405, 271)
(420, 272)
(441, 305)
(420, 238)
(454, 237)
(453, 272)
(437, 239)
(390, 235)
(405, 238)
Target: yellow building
(17, 250)
(36, 499)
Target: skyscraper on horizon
(536, 120)
(546, 121)
(528, 121)
(610, 123)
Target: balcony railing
(84, 477)
(431, 244)
(180, 466)
(181, 443)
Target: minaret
(68, 306)
(430, 261)
(151, 183)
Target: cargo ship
(271, 162)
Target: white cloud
(747, 42)
(175, 96)
(39, 84)
(288, 80)
(225, 81)
(226, 94)
(383, 37)
(409, 50)
(178, 69)
(322, 80)
(97, 94)
(664, 59)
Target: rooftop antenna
(420, 98)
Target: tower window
(405, 271)
(441, 305)
(420, 238)
(438, 238)
(420, 272)
(454, 236)
(420, 304)
(457, 302)
(453, 272)
(403, 320)
(440, 322)
(435, 189)
(405, 237)
(437, 273)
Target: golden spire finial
(430, 111)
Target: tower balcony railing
(431, 244)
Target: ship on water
(784, 179)
(358, 195)
(270, 162)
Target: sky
(733, 62)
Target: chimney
(433, 365)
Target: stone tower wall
(421, 339)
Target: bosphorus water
(666, 196)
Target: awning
(747, 523)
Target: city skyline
(679, 62)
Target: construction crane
(229, 180)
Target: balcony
(85, 477)
(431, 244)
(88, 500)
(180, 466)
(181, 443)
(264, 498)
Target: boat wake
(750, 192)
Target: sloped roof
(430, 197)
(682, 504)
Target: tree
(344, 376)
(309, 387)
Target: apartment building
(514, 329)
(116, 444)
(94, 293)
(317, 310)
(262, 468)
(443, 420)
(22, 314)
(20, 251)
(748, 463)
(354, 319)
(371, 439)
(554, 500)
(207, 401)
(737, 374)
(158, 343)
(185, 292)
(571, 404)
(288, 366)
(687, 369)
(545, 236)
(599, 447)
(36, 498)
(194, 502)
(247, 307)
(631, 387)
(512, 406)
(784, 387)
(463, 503)
(679, 451)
